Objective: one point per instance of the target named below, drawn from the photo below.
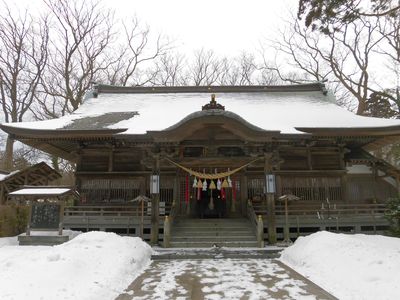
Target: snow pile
(95, 265)
(348, 266)
(8, 241)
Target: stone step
(35, 240)
(213, 222)
(212, 228)
(212, 239)
(204, 232)
(192, 244)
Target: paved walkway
(216, 279)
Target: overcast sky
(227, 26)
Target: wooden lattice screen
(312, 188)
(109, 190)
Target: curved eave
(354, 131)
(59, 133)
(224, 119)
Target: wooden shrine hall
(217, 161)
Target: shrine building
(224, 165)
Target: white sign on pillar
(270, 183)
(154, 184)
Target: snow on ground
(94, 265)
(218, 280)
(349, 266)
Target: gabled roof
(287, 109)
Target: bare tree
(135, 55)
(342, 57)
(168, 70)
(23, 57)
(205, 69)
(82, 31)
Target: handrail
(251, 215)
(168, 222)
(257, 223)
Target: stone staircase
(205, 233)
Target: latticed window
(312, 188)
(109, 190)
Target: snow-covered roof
(139, 110)
(5, 176)
(41, 191)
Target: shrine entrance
(211, 203)
(214, 202)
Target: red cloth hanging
(187, 189)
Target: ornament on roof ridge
(213, 104)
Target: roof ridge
(112, 89)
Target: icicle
(195, 182)
(205, 185)
(219, 183)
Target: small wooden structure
(286, 199)
(36, 175)
(46, 213)
(142, 200)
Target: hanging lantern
(219, 183)
(199, 184)
(212, 185)
(195, 182)
(225, 184)
(205, 185)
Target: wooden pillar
(155, 207)
(271, 222)
(2, 196)
(111, 161)
(243, 193)
(271, 218)
(343, 183)
(309, 157)
(176, 192)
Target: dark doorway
(211, 203)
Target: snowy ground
(99, 265)
(349, 266)
(220, 279)
(95, 265)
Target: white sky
(228, 27)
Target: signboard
(270, 183)
(45, 216)
(154, 184)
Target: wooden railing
(325, 209)
(117, 211)
(251, 215)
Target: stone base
(42, 240)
